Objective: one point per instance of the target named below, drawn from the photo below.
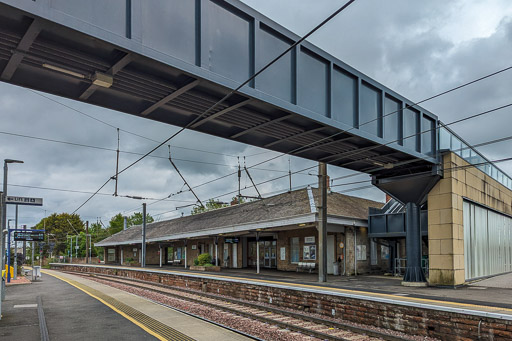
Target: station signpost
(26, 201)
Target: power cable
(123, 130)
(229, 94)
(85, 192)
(127, 152)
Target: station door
(487, 241)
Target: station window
(111, 255)
(294, 249)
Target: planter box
(205, 268)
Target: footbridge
(170, 60)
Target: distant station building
(285, 226)
(466, 230)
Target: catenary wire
(229, 94)
(123, 130)
(129, 152)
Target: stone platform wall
(408, 319)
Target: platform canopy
(169, 60)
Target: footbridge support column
(411, 190)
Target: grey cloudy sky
(417, 48)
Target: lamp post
(4, 225)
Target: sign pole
(16, 246)
(32, 261)
(9, 257)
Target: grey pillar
(414, 275)
(143, 263)
(322, 223)
(24, 248)
(257, 252)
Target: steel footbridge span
(169, 60)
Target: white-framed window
(111, 255)
(294, 250)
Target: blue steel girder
(169, 60)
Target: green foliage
(57, 227)
(211, 204)
(196, 262)
(136, 219)
(204, 259)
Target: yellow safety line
(158, 336)
(356, 292)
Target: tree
(211, 204)
(116, 224)
(136, 219)
(58, 227)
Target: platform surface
(80, 309)
(491, 297)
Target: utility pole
(86, 248)
(143, 263)
(2, 228)
(76, 248)
(16, 246)
(322, 222)
(24, 247)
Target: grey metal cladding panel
(344, 97)
(226, 42)
(109, 15)
(392, 121)
(396, 222)
(313, 82)
(377, 224)
(410, 128)
(166, 27)
(427, 135)
(371, 109)
(277, 79)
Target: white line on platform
(25, 305)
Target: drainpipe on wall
(355, 249)
(345, 255)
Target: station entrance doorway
(268, 253)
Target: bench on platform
(306, 266)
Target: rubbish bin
(335, 269)
(36, 272)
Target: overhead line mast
(185, 181)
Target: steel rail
(328, 323)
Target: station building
(283, 226)
(466, 230)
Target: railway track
(315, 327)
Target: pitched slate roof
(281, 206)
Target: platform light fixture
(386, 165)
(62, 70)
(102, 79)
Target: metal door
(270, 259)
(235, 255)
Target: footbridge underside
(169, 60)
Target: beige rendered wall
(445, 218)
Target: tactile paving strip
(156, 328)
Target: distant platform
(488, 298)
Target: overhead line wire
(123, 130)
(128, 152)
(233, 91)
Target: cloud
(417, 48)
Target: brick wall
(445, 217)
(407, 319)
